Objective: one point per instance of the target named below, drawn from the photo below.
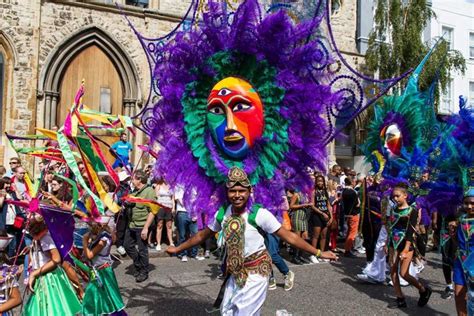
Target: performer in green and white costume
(52, 293)
(102, 295)
(248, 263)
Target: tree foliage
(396, 44)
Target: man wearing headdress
(248, 264)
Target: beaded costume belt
(259, 263)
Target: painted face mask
(393, 141)
(234, 116)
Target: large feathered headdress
(400, 134)
(263, 63)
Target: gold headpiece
(237, 176)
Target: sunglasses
(13, 163)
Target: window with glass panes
(471, 45)
(447, 98)
(448, 33)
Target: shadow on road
(349, 268)
(214, 270)
(156, 299)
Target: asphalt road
(178, 288)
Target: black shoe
(136, 273)
(448, 293)
(304, 260)
(297, 261)
(424, 297)
(141, 277)
(349, 255)
(399, 303)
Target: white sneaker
(403, 283)
(419, 267)
(313, 259)
(121, 251)
(158, 247)
(184, 259)
(199, 258)
(207, 254)
(289, 280)
(365, 278)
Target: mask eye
(240, 107)
(224, 92)
(216, 110)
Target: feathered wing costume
(405, 138)
(240, 94)
(451, 162)
(397, 137)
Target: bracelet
(318, 253)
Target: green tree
(396, 44)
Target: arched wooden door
(103, 88)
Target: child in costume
(401, 240)
(102, 295)
(10, 295)
(52, 293)
(463, 270)
(248, 263)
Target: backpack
(251, 218)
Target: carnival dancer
(248, 264)
(52, 293)
(463, 271)
(401, 244)
(10, 295)
(102, 295)
(374, 271)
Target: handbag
(19, 222)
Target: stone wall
(177, 7)
(18, 20)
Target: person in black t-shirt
(321, 217)
(350, 205)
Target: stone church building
(48, 46)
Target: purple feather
(291, 50)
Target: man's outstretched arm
(296, 241)
(197, 239)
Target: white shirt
(179, 197)
(253, 241)
(342, 180)
(165, 197)
(40, 257)
(104, 255)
